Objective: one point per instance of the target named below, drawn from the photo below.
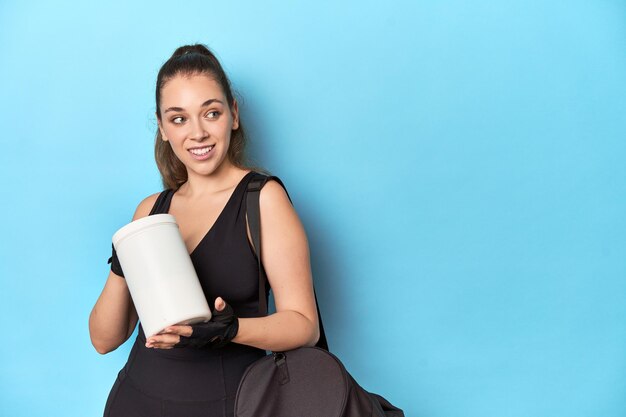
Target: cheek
(174, 134)
(165, 133)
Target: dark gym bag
(304, 382)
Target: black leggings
(179, 382)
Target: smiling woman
(194, 66)
(199, 149)
(199, 130)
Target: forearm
(110, 318)
(284, 330)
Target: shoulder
(277, 211)
(145, 206)
(273, 195)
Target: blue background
(459, 168)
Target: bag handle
(254, 220)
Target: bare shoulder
(145, 206)
(273, 193)
(278, 215)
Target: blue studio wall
(459, 168)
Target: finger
(182, 330)
(163, 346)
(159, 340)
(220, 304)
(226, 310)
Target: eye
(213, 112)
(176, 118)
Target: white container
(159, 273)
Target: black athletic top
(155, 379)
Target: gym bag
(303, 382)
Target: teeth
(201, 151)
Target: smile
(201, 151)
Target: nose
(198, 132)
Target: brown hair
(190, 60)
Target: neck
(222, 178)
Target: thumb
(220, 304)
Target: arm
(113, 318)
(285, 256)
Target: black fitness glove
(215, 333)
(115, 263)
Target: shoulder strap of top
(162, 202)
(257, 181)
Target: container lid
(141, 224)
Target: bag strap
(254, 219)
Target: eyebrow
(206, 103)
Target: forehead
(186, 91)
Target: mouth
(201, 151)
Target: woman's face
(197, 121)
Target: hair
(189, 60)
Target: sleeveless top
(227, 266)
(224, 260)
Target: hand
(215, 333)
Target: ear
(235, 111)
(161, 129)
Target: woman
(195, 370)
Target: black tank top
(224, 260)
(226, 266)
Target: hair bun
(197, 48)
